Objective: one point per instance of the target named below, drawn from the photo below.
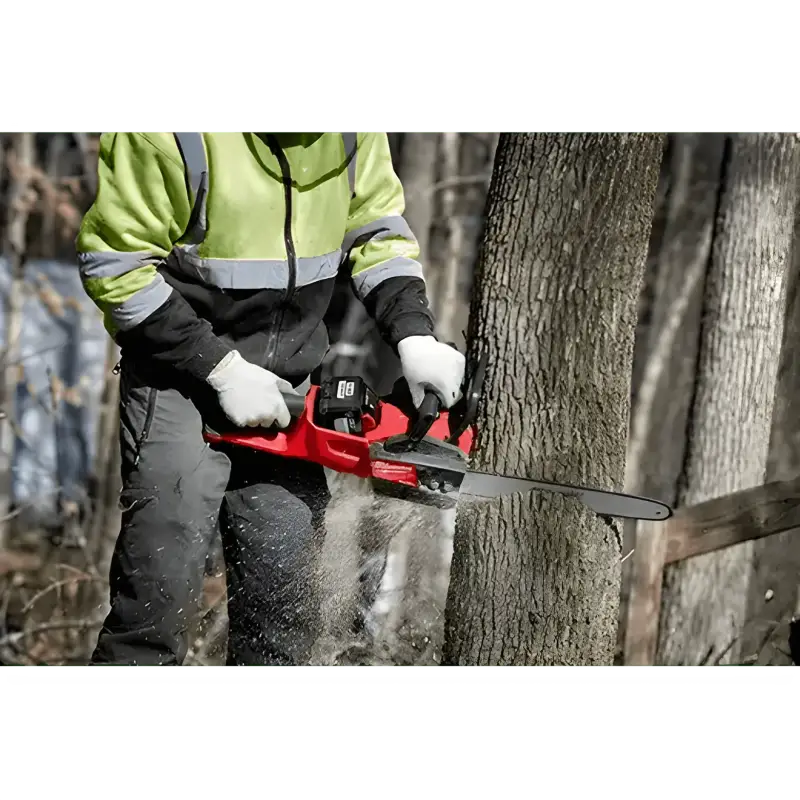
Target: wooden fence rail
(725, 521)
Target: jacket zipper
(150, 412)
(291, 253)
(148, 423)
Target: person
(213, 258)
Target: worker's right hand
(249, 395)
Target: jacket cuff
(211, 350)
(400, 309)
(409, 325)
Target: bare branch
(453, 182)
(55, 625)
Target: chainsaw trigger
(368, 422)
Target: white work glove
(429, 365)
(249, 395)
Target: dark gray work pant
(177, 492)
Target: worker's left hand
(430, 365)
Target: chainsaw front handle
(427, 414)
(431, 407)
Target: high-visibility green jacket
(199, 243)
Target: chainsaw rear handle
(296, 403)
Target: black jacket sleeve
(400, 308)
(174, 336)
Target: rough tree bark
(774, 591)
(535, 578)
(704, 599)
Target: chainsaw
(421, 454)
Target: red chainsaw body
(343, 452)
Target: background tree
(20, 160)
(535, 578)
(773, 596)
(665, 358)
(704, 599)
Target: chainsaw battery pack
(347, 405)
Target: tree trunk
(668, 345)
(447, 294)
(54, 171)
(467, 165)
(655, 453)
(774, 591)
(535, 578)
(14, 250)
(396, 145)
(646, 295)
(641, 343)
(88, 154)
(105, 512)
(704, 598)
(418, 173)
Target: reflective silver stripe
(386, 227)
(112, 264)
(195, 163)
(231, 273)
(141, 304)
(364, 282)
(351, 153)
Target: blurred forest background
(59, 463)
